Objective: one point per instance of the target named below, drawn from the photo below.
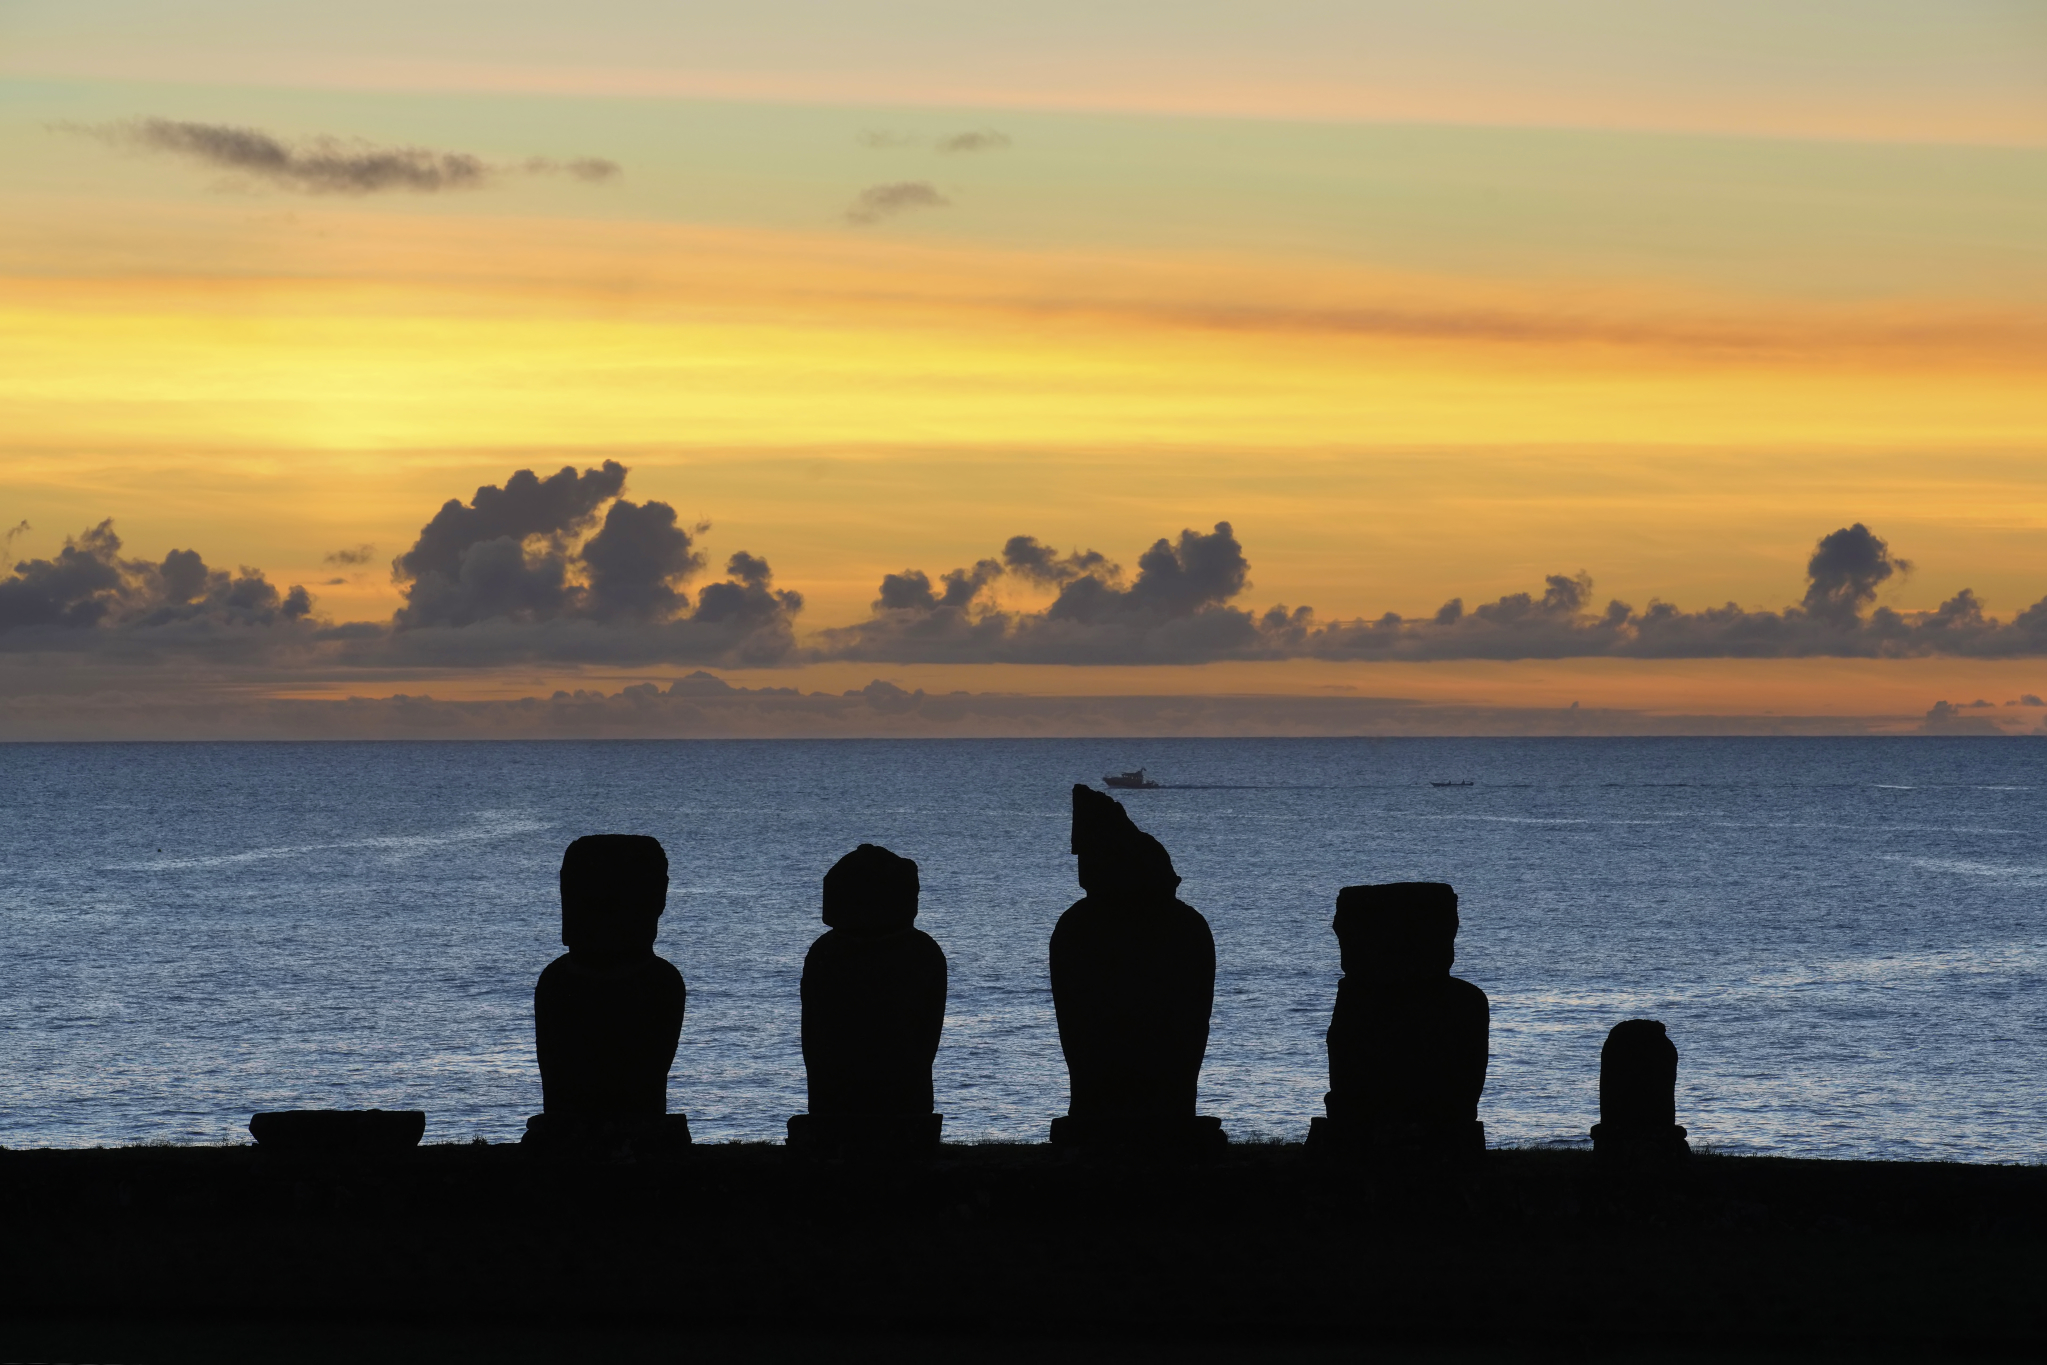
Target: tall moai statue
(873, 1008)
(607, 1014)
(1407, 1040)
(1133, 980)
(1638, 1095)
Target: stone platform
(994, 1247)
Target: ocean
(1846, 937)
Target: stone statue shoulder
(652, 970)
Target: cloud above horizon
(568, 569)
(702, 705)
(530, 570)
(89, 596)
(328, 165)
(1180, 609)
(561, 569)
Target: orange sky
(1405, 362)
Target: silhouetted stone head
(871, 891)
(1116, 857)
(1638, 1078)
(1397, 929)
(613, 887)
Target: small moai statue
(1133, 981)
(1408, 1042)
(607, 1014)
(873, 1008)
(1638, 1095)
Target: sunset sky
(1424, 301)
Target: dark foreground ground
(1008, 1253)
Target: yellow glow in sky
(1406, 364)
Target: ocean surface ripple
(1845, 936)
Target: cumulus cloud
(1175, 610)
(2027, 699)
(506, 552)
(89, 597)
(1948, 718)
(528, 571)
(1846, 569)
(1844, 572)
(567, 569)
(1182, 608)
(636, 563)
(327, 165)
(562, 568)
(877, 202)
(1024, 556)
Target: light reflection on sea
(1845, 937)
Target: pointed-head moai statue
(1638, 1095)
(607, 1014)
(1407, 1040)
(1133, 980)
(873, 1007)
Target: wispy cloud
(973, 140)
(586, 168)
(328, 165)
(980, 140)
(877, 202)
(350, 557)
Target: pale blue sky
(1928, 69)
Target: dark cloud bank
(568, 570)
(328, 165)
(91, 599)
(1179, 608)
(703, 706)
(562, 569)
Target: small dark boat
(1136, 779)
(1465, 783)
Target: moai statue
(873, 1007)
(1407, 1041)
(607, 1014)
(1133, 979)
(1638, 1095)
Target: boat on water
(1136, 779)
(1464, 783)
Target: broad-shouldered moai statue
(1407, 1040)
(1638, 1095)
(873, 1009)
(1133, 980)
(607, 1014)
